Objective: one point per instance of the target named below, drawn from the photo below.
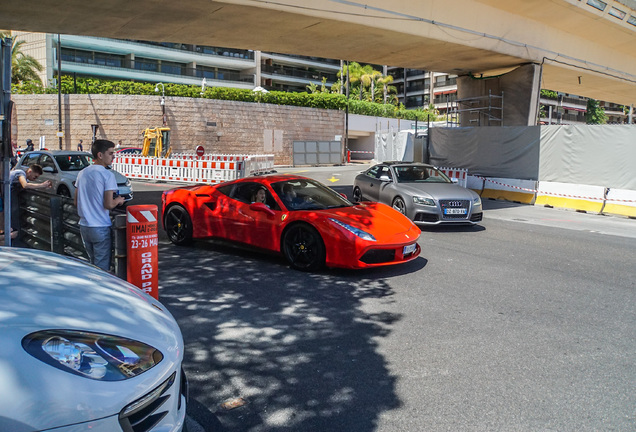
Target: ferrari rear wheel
(178, 225)
(357, 194)
(398, 204)
(303, 248)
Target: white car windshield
(419, 174)
(302, 194)
(73, 162)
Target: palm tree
(386, 88)
(368, 79)
(23, 66)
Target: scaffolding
(479, 111)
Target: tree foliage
(24, 68)
(323, 100)
(595, 113)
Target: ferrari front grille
(378, 256)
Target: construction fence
(191, 168)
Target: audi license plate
(409, 249)
(454, 211)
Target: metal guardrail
(51, 223)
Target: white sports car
(83, 350)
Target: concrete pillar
(257, 73)
(480, 102)
(191, 69)
(129, 61)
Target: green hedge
(312, 100)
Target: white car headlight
(477, 200)
(92, 355)
(353, 230)
(423, 201)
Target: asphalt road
(525, 322)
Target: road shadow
(491, 204)
(297, 347)
(452, 228)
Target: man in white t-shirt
(94, 198)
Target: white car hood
(44, 291)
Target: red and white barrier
(461, 174)
(189, 168)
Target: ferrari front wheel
(303, 248)
(398, 204)
(178, 225)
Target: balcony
(154, 72)
(309, 75)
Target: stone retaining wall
(219, 126)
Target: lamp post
(163, 101)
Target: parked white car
(83, 350)
(62, 168)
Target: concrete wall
(225, 127)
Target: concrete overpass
(582, 49)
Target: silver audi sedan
(420, 191)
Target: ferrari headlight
(423, 201)
(92, 355)
(353, 230)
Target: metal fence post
(120, 247)
(57, 225)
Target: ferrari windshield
(305, 194)
(419, 174)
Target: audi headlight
(353, 230)
(92, 355)
(128, 183)
(477, 200)
(424, 201)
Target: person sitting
(260, 196)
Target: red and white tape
(553, 193)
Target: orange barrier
(143, 240)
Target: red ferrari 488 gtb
(309, 223)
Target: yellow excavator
(156, 142)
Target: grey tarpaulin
(596, 155)
(506, 152)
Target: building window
(171, 68)
(617, 13)
(598, 4)
(146, 65)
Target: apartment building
(417, 88)
(166, 62)
(571, 109)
